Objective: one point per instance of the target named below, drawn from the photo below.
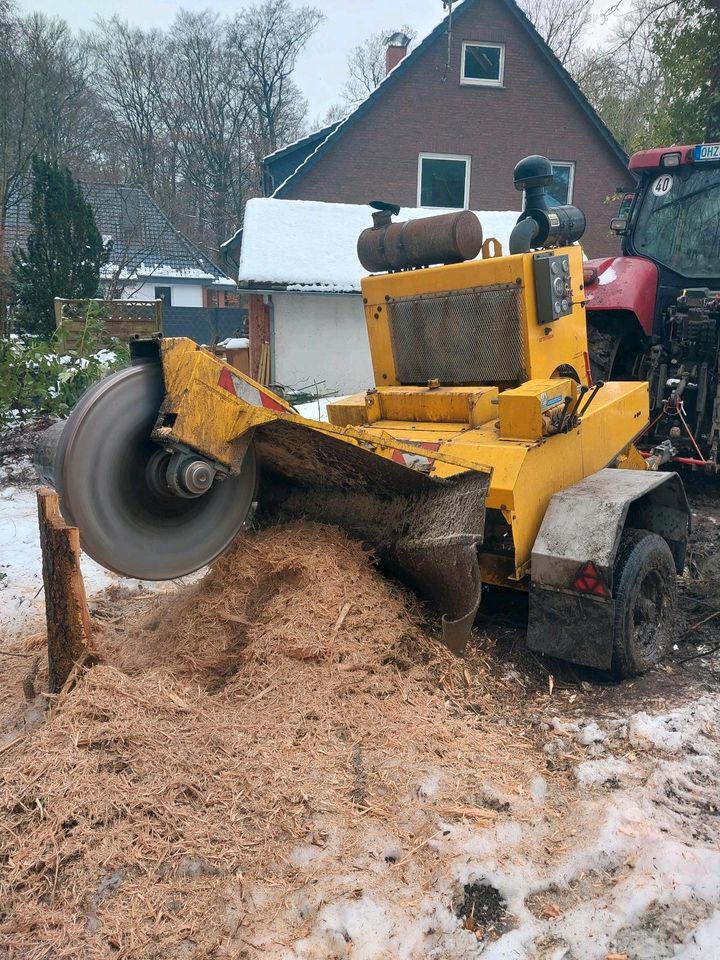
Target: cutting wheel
(108, 473)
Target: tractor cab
(654, 312)
(674, 218)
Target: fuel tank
(447, 238)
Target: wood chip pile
(238, 746)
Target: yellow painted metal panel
(199, 413)
(631, 459)
(202, 414)
(549, 348)
(521, 409)
(435, 405)
(553, 346)
(348, 411)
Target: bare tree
(267, 38)
(623, 80)
(208, 108)
(130, 71)
(562, 24)
(43, 101)
(366, 65)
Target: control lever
(593, 394)
(564, 414)
(581, 393)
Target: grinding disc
(127, 523)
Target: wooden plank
(121, 319)
(69, 630)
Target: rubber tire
(603, 347)
(641, 553)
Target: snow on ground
(316, 409)
(613, 852)
(312, 245)
(626, 864)
(22, 605)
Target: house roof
(303, 141)
(145, 242)
(327, 141)
(309, 246)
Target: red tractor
(654, 312)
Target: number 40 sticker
(662, 185)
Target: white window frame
(444, 156)
(474, 81)
(571, 178)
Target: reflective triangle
(588, 580)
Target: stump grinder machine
(481, 456)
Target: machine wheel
(614, 344)
(602, 348)
(115, 484)
(645, 595)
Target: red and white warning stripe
(416, 461)
(247, 392)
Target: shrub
(38, 378)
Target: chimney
(396, 50)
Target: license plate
(707, 151)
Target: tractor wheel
(603, 346)
(645, 590)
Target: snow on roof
(311, 246)
(164, 271)
(145, 242)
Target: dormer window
(483, 64)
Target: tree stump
(68, 620)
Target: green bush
(38, 378)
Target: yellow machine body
(504, 429)
(546, 348)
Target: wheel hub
(188, 475)
(647, 609)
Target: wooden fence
(115, 318)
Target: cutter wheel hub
(142, 511)
(180, 474)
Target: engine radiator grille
(469, 337)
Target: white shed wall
(321, 337)
(183, 294)
(188, 295)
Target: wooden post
(68, 619)
(258, 331)
(158, 316)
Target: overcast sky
(320, 71)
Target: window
(483, 64)
(679, 222)
(164, 294)
(443, 181)
(561, 189)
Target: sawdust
(282, 712)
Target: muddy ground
(691, 666)
(593, 830)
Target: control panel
(552, 286)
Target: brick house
(450, 120)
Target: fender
(583, 524)
(626, 284)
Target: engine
(682, 368)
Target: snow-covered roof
(145, 244)
(311, 246)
